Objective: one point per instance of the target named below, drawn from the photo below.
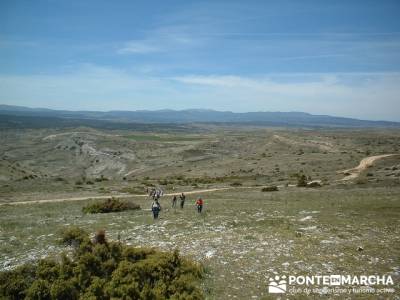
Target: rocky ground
(244, 236)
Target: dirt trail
(114, 195)
(364, 164)
(52, 136)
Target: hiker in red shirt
(199, 204)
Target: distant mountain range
(281, 119)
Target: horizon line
(194, 109)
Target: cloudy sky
(323, 57)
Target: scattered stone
(305, 218)
(314, 183)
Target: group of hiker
(155, 193)
(182, 202)
(156, 207)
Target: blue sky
(323, 57)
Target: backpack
(155, 206)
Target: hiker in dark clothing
(155, 208)
(199, 204)
(174, 201)
(183, 198)
(152, 193)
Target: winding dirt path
(52, 136)
(114, 195)
(364, 164)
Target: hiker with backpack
(152, 193)
(199, 204)
(155, 208)
(183, 198)
(174, 201)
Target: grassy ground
(165, 137)
(243, 237)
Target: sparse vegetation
(109, 205)
(101, 269)
(242, 231)
(301, 180)
(133, 190)
(272, 188)
(101, 178)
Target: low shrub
(302, 180)
(104, 270)
(236, 184)
(73, 235)
(108, 206)
(100, 179)
(272, 188)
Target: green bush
(14, 284)
(40, 290)
(73, 236)
(110, 205)
(236, 183)
(101, 269)
(302, 180)
(101, 178)
(272, 188)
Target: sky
(339, 58)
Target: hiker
(155, 208)
(199, 204)
(158, 193)
(174, 201)
(152, 193)
(183, 198)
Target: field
(349, 225)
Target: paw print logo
(277, 285)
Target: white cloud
(161, 39)
(138, 47)
(361, 95)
